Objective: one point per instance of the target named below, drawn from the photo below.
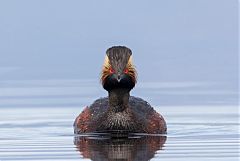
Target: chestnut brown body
(138, 117)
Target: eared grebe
(119, 112)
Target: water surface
(37, 116)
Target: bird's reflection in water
(138, 148)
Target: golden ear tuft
(132, 70)
(105, 69)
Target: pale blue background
(186, 53)
(177, 41)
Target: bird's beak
(119, 78)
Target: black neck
(118, 99)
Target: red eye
(111, 70)
(126, 71)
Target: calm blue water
(37, 116)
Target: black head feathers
(118, 57)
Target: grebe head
(118, 69)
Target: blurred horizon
(189, 45)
